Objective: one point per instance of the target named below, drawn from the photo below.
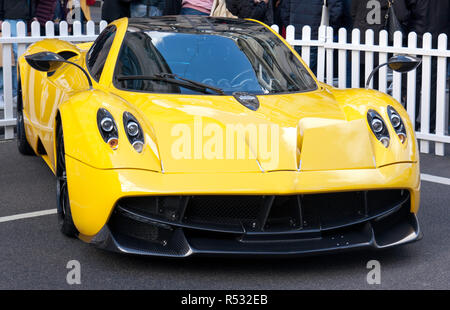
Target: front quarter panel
(83, 141)
(355, 104)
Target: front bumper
(95, 195)
(397, 228)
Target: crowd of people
(45, 10)
(419, 16)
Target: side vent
(40, 148)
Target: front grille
(267, 213)
(223, 210)
(135, 229)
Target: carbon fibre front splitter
(382, 233)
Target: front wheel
(62, 192)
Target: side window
(99, 51)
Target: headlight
(397, 123)
(134, 131)
(108, 128)
(107, 124)
(378, 127)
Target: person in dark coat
(277, 12)
(300, 13)
(173, 7)
(115, 9)
(369, 14)
(347, 19)
(17, 10)
(261, 10)
(429, 16)
(14, 12)
(147, 8)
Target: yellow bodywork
(325, 143)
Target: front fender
(356, 102)
(83, 141)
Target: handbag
(219, 9)
(325, 14)
(392, 24)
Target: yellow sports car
(185, 135)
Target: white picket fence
(326, 46)
(7, 113)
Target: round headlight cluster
(397, 123)
(110, 134)
(378, 127)
(134, 131)
(107, 124)
(108, 128)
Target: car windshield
(230, 62)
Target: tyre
(22, 143)
(65, 220)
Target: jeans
(140, 10)
(189, 11)
(13, 23)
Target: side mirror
(404, 63)
(49, 62)
(45, 61)
(399, 63)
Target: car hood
(306, 131)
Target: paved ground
(34, 255)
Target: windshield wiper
(174, 79)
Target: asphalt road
(34, 254)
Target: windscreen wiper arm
(174, 79)
(173, 75)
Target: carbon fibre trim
(393, 228)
